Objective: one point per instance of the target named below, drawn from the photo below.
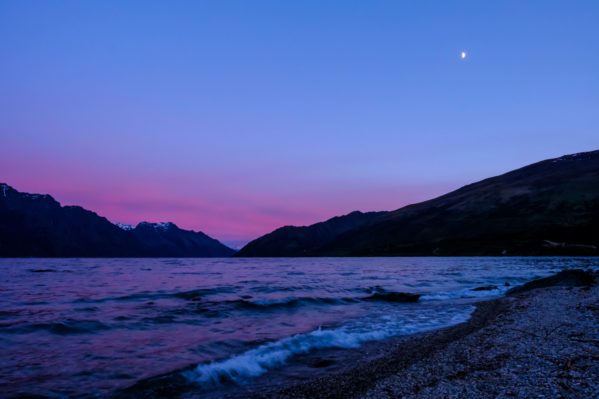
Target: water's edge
(341, 361)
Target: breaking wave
(258, 361)
(464, 294)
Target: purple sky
(235, 118)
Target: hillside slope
(301, 241)
(547, 208)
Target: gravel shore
(540, 341)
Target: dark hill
(299, 241)
(166, 239)
(547, 208)
(34, 225)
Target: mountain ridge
(550, 207)
(301, 238)
(36, 225)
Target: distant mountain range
(547, 208)
(34, 225)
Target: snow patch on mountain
(162, 226)
(578, 156)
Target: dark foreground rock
(393, 297)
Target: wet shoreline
(458, 361)
(341, 373)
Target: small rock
(322, 363)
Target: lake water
(88, 327)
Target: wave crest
(256, 362)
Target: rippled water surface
(86, 327)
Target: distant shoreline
(301, 257)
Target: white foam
(258, 361)
(464, 293)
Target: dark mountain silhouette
(547, 208)
(38, 226)
(166, 239)
(299, 241)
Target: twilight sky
(237, 117)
